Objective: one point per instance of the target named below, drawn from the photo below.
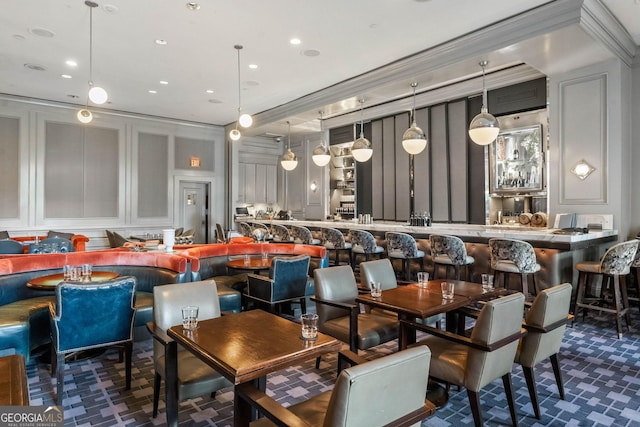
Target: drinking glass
(447, 290)
(423, 279)
(87, 270)
(75, 273)
(190, 317)
(246, 260)
(376, 289)
(66, 272)
(487, 282)
(309, 322)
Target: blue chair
(11, 247)
(92, 315)
(287, 282)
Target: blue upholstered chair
(363, 243)
(92, 315)
(403, 246)
(52, 245)
(287, 282)
(449, 251)
(11, 247)
(302, 235)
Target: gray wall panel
(458, 160)
(422, 167)
(153, 159)
(377, 170)
(439, 166)
(402, 169)
(389, 168)
(9, 167)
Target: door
(194, 209)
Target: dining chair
(476, 361)
(403, 246)
(91, 315)
(545, 323)
(334, 241)
(450, 251)
(194, 377)
(303, 235)
(614, 266)
(363, 243)
(339, 315)
(511, 256)
(286, 283)
(11, 247)
(386, 391)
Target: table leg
(243, 412)
(406, 335)
(171, 383)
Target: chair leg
(529, 376)
(157, 379)
(508, 389)
(474, 402)
(555, 363)
(617, 301)
(128, 355)
(59, 377)
(625, 301)
(457, 271)
(318, 362)
(582, 278)
(524, 280)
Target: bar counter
(556, 253)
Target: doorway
(193, 212)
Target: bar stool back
(302, 235)
(615, 264)
(280, 233)
(334, 241)
(449, 251)
(245, 229)
(363, 243)
(403, 246)
(510, 256)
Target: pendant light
(245, 120)
(84, 116)
(321, 155)
(97, 95)
(361, 148)
(413, 139)
(484, 128)
(289, 161)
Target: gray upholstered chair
(363, 243)
(482, 358)
(194, 377)
(334, 241)
(545, 323)
(339, 315)
(403, 246)
(92, 315)
(245, 229)
(280, 233)
(510, 256)
(450, 251)
(386, 391)
(287, 282)
(303, 235)
(614, 266)
(11, 247)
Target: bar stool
(615, 264)
(245, 229)
(510, 256)
(449, 251)
(334, 241)
(280, 233)
(363, 243)
(302, 235)
(404, 247)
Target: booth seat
(24, 314)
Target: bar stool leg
(617, 301)
(524, 281)
(625, 301)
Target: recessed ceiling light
(71, 63)
(311, 52)
(34, 67)
(164, 82)
(65, 76)
(295, 41)
(153, 91)
(253, 66)
(161, 42)
(41, 32)
(215, 101)
(191, 5)
(209, 90)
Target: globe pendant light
(321, 155)
(484, 128)
(413, 139)
(244, 119)
(85, 116)
(361, 149)
(97, 95)
(289, 161)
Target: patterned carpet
(601, 375)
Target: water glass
(75, 273)
(447, 290)
(247, 260)
(87, 270)
(423, 279)
(309, 322)
(190, 317)
(265, 256)
(66, 272)
(487, 281)
(376, 289)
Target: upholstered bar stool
(614, 267)
(403, 246)
(510, 256)
(334, 241)
(245, 229)
(363, 243)
(280, 233)
(302, 235)
(449, 251)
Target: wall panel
(153, 179)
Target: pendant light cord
(289, 136)
(238, 47)
(322, 142)
(484, 86)
(414, 85)
(361, 117)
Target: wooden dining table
(254, 264)
(245, 347)
(50, 281)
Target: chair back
(245, 229)
(550, 307)
(280, 233)
(379, 270)
(450, 246)
(333, 238)
(619, 257)
(364, 239)
(334, 284)
(52, 245)
(381, 391)
(290, 276)
(499, 319)
(301, 234)
(519, 252)
(91, 315)
(179, 231)
(221, 236)
(401, 245)
(120, 240)
(11, 247)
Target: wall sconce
(313, 186)
(582, 169)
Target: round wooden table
(254, 264)
(50, 281)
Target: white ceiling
(352, 38)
